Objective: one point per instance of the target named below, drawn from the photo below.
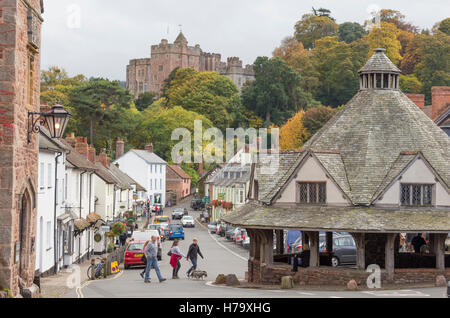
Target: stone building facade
(148, 74)
(20, 29)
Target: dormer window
(416, 194)
(312, 192)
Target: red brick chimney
(70, 138)
(81, 146)
(120, 147)
(418, 99)
(149, 147)
(91, 154)
(440, 98)
(103, 158)
(200, 168)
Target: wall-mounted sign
(105, 229)
(114, 267)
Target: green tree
(351, 31)
(410, 84)
(98, 107)
(444, 26)
(276, 94)
(434, 66)
(207, 93)
(168, 82)
(312, 27)
(144, 100)
(56, 85)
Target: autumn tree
(292, 134)
(410, 84)
(315, 118)
(312, 27)
(386, 37)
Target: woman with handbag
(175, 256)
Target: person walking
(151, 252)
(193, 252)
(175, 256)
(144, 259)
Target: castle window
(2, 55)
(312, 192)
(416, 194)
(160, 68)
(1, 15)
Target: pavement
(221, 257)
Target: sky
(99, 37)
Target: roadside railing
(116, 256)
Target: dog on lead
(199, 274)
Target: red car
(134, 253)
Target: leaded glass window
(416, 194)
(312, 192)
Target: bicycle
(98, 269)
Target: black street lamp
(55, 120)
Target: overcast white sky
(111, 32)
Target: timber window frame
(417, 194)
(311, 192)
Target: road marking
(306, 294)
(220, 244)
(399, 293)
(79, 291)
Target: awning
(99, 224)
(341, 219)
(67, 217)
(81, 225)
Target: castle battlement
(148, 74)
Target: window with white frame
(416, 194)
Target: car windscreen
(176, 227)
(135, 247)
(188, 218)
(163, 220)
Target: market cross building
(378, 168)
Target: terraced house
(378, 168)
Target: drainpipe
(114, 201)
(55, 227)
(81, 208)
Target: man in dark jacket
(418, 242)
(194, 251)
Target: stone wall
(20, 37)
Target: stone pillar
(360, 250)
(267, 247)
(280, 242)
(314, 258)
(305, 241)
(389, 258)
(439, 250)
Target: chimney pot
(120, 148)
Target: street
(221, 257)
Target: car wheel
(335, 261)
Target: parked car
(186, 211)
(177, 214)
(159, 228)
(197, 204)
(176, 231)
(240, 237)
(212, 227)
(165, 228)
(133, 254)
(187, 221)
(229, 233)
(147, 236)
(246, 242)
(161, 219)
(223, 228)
(344, 251)
(234, 234)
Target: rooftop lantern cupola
(379, 72)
